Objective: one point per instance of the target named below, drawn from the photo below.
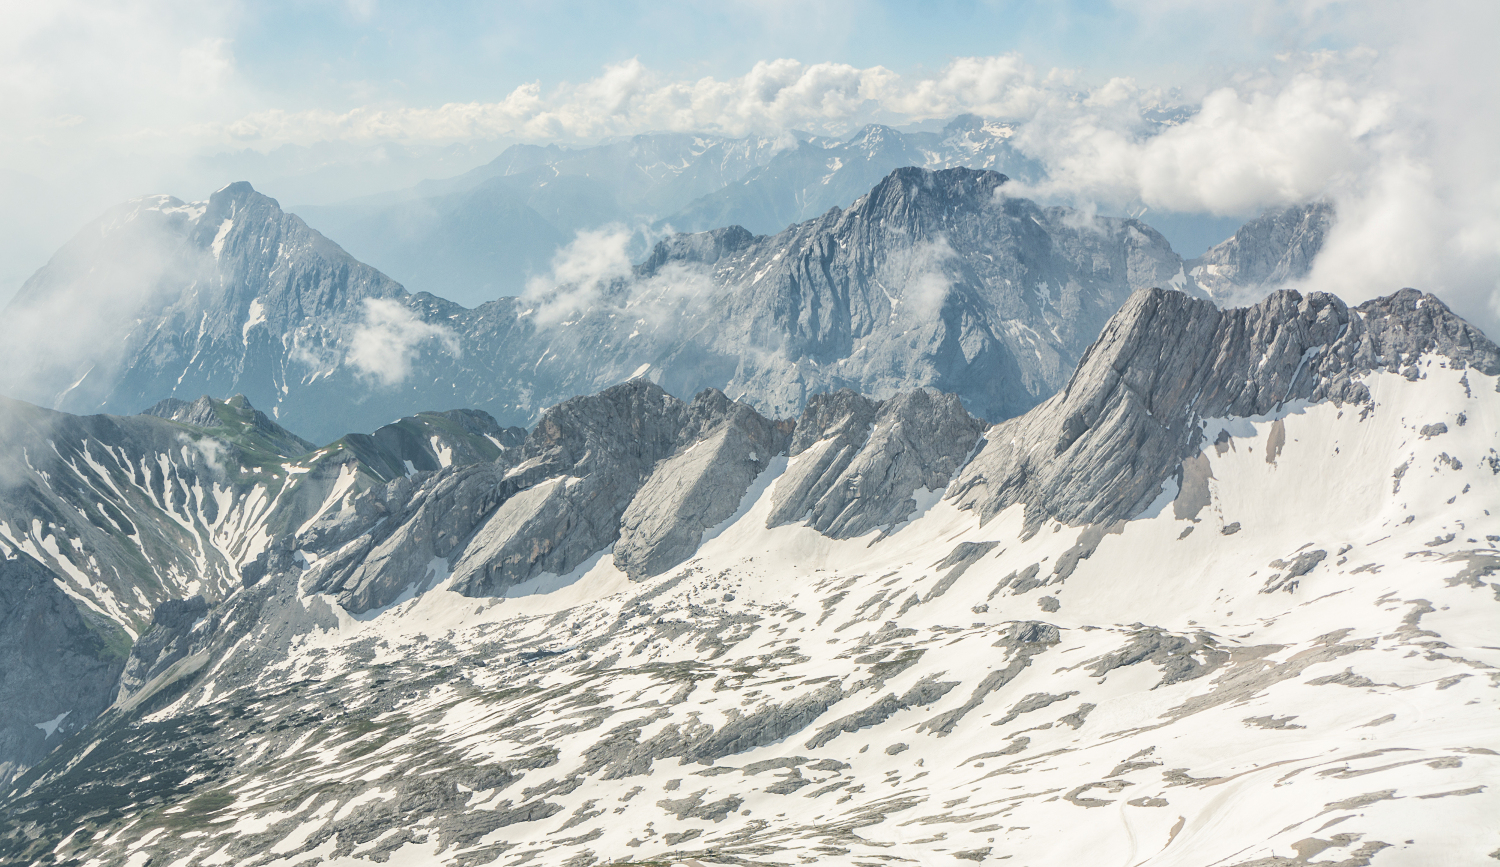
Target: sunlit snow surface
(1344, 715)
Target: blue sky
(330, 53)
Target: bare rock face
(170, 640)
(58, 665)
(580, 468)
(1103, 448)
(1270, 250)
(724, 446)
(387, 541)
(859, 462)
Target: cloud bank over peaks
(629, 98)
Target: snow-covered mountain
(104, 519)
(1224, 599)
(930, 279)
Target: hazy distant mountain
(161, 298)
(1275, 248)
(803, 182)
(480, 235)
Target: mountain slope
(1284, 654)
(104, 520)
(226, 296)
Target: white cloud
(1243, 150)
(582, 272)
(384, 345)
(919, 278)
(773, 96)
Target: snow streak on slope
(1304, 668)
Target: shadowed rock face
(1100, 450)
(58, 666)
(723, 447)
(636, 468)
(588, 457)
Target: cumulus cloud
(389, 338)
(594, 274)
(582, 272)
(773, 96)
(1240, 151)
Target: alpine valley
(937, 527)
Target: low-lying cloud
(582, 271)
(390, 337)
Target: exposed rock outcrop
(859, 463)
(1103, 448)
(59, 664)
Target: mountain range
(1240, 557)
(872, 514)
(932, 278)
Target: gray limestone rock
(765, 726)
(924, 692)
(858, 462)
(723, 446)
(1179, 657)
(579, 470)
(1114, 440)
(58, 665)
(1277, 247)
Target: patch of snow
(218, 244)
(51, 725)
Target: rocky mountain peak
(912, 193)
(629, 420)
(199, 413)
(236, 418)
(1277, 247)
(705, 248)
(1112, 441)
